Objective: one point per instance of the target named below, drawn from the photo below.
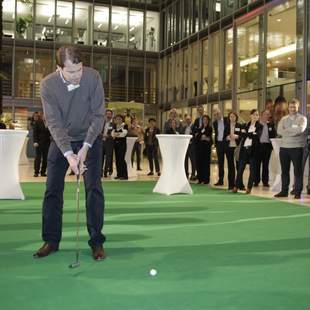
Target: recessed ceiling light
(279, 20)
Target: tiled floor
(26, 175)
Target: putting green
(212, 250)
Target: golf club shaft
(78, 180)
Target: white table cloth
(23, 155)
(275, 168)
(130, 143)
(11, 144)
(173, 178)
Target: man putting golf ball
(73, 104)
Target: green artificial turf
(212, 250)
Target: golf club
(77, 262)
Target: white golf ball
(153, 272)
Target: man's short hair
(109, 110)
(152, 120)
(68, 52)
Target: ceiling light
(99, 26)
(67, 22)
(279, 20)
(116, 27)
(132, 28)
(50, 19)
(132, 39)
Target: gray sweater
(76, 115)
(291, 128)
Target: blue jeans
(57, 166)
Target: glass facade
(180, 53)
(33, 30)
(246, 60)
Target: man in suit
(265, 149)
(198, 121)
(173, 116)
(187, 129)
(219, 125)
(73, 104)
(108, 144)
(41, 143)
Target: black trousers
(230, 156)
(107, 156)
(264, 154)
(57, 166)
(203, 153)
(120, 147)
(306, 153)
(246, 157)
(136, 150)
(152, 156)
(220, 151)
(190, 155)
(288, 155)
(41, 155)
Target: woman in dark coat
(203, 137)
(232, 133)
(249, 152)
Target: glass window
(64, 22)
(179, 74)
(23, 72)
(169, 26)
(101, 25)
(228, 58)
(151, 82)
(216, 10)
(24, 19)
(215, 56)
(118, 78)
(136, 29)
(82, 31)
(186, 21)
(101, 64)
(186, 74)
(8, 18)
(45, 20)
(43, 67)
(204, 14)
(171, 76)
(281, 44)
(136, 80)
(6, 70)
(227, 7)
(152, 31)
(227, 107)
(194, 69)
(247, 102)
(163, 79)
(205, 67)
(248, 51)
(119, 27)
(195, 16)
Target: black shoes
(45, 250)
(35, 175)
(281, 195)
(150, 173)
(297, 196)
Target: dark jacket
(272, 132)
(238, 132)
(171, 131)
(153, 134)
(2, 125)
(196, 125)
(215, 126)
(41, 134)
(254, 136)
(204, 131)
(120, 139)
(182, 131)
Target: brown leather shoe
(248, 190)
(45, 250)
(98, 252)
(235, 190)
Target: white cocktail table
(173, 178)
(11, 144)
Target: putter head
(74, 265)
